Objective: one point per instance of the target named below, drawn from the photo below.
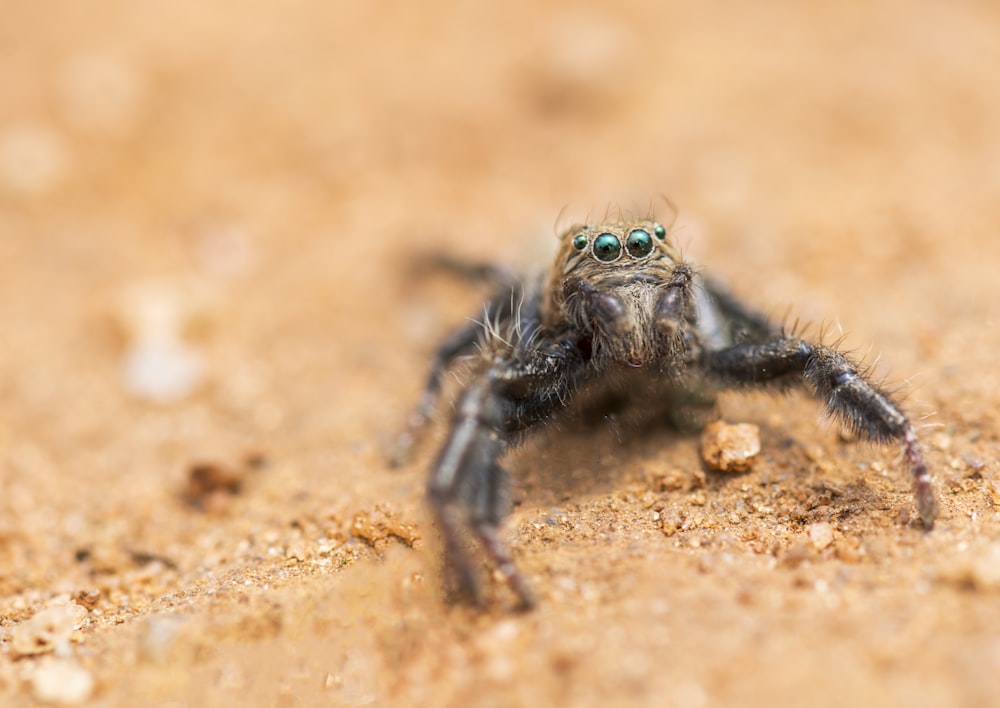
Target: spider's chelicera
(619, 315)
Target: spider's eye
(607, 247)
(580, 242)
(661, 233)
(639, 244)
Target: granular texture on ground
(215, 322)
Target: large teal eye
(639, 244)
(661, 233)
(580, 242)
(607, 247)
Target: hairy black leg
(849, 396)
(494, 547)
(461, 341)
(468, 489)
(743, 323)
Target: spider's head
(624, 286)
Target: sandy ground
(231, 195)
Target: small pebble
(87, 599)
(63, 682)
(155, 318)
(377, 526)
(820, 535)
(162, 371)
(211, 485)
(993, 491)
(730, 448)
(46, 629)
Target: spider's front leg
(468, 489)
(849, 395)
(460, 342)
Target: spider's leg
(498, 277)
(741, 322)
(468, 489)
(460, 342)
(849, 396)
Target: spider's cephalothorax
(622, 311)
(624, 288)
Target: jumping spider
(620, 316)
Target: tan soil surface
(245, 185)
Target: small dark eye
(607, 247)
(661, 233)
(639, 244)
(580, 242)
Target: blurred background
(208, 213)
(258, 175)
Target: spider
(619, 317)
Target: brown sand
(249, 182)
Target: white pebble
(46, 630)
(162, 370)
(820, 535)
(155, 317)
(63, 682)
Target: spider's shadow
(571, 459)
